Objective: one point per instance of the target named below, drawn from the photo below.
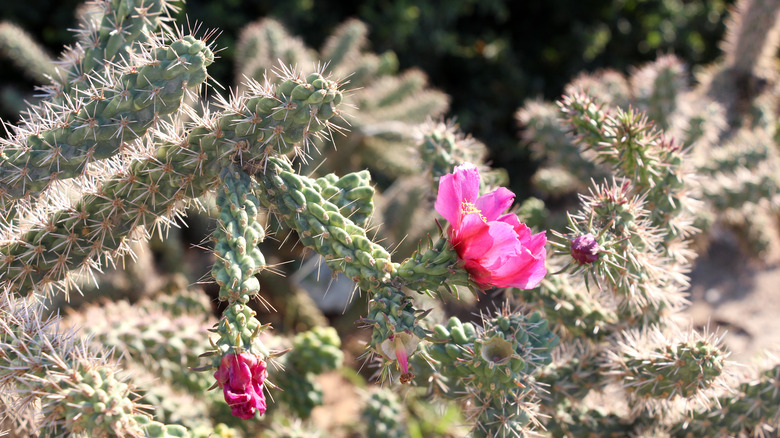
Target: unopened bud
(585, 249)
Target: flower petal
(494, 203)
(454, 189)
(524, 271)
(472, 240)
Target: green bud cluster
(449, 348)
(236, 238)
(321, 225)
(383, 415)
(155, 429)
(97, 126)
(239, 331)
(300, 392)
(508, 350)
(497, 359)
(95, 403)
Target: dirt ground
(731, 293)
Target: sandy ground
(733, 294)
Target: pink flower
(241, 377)
(496, 249)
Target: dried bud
(585, 249)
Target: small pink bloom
(496, 249)
(399, 347)
(241, 377)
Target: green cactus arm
(168, 345)
(353, 194)
(752, 37)
(403, 98)
(114, 30)
(657, 87)
(114, 112)
(320, 225)
(266, 44)
(344, 46)
(238, 233)
(750, 408)
(652, 367)
(316, 351)
(22, 50)
(153, 189)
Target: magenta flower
(241, 377)
(496, 249)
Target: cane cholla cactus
(380, 133)
(81, 392)
(730, 101)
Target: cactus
(123, 145)
(22, 50)
(383, 415)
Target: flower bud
(585, 249)
(241, 377)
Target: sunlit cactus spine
(61, 142)
(81, 393)
(749, 409)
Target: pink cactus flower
(241, 377)
(496, 249)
